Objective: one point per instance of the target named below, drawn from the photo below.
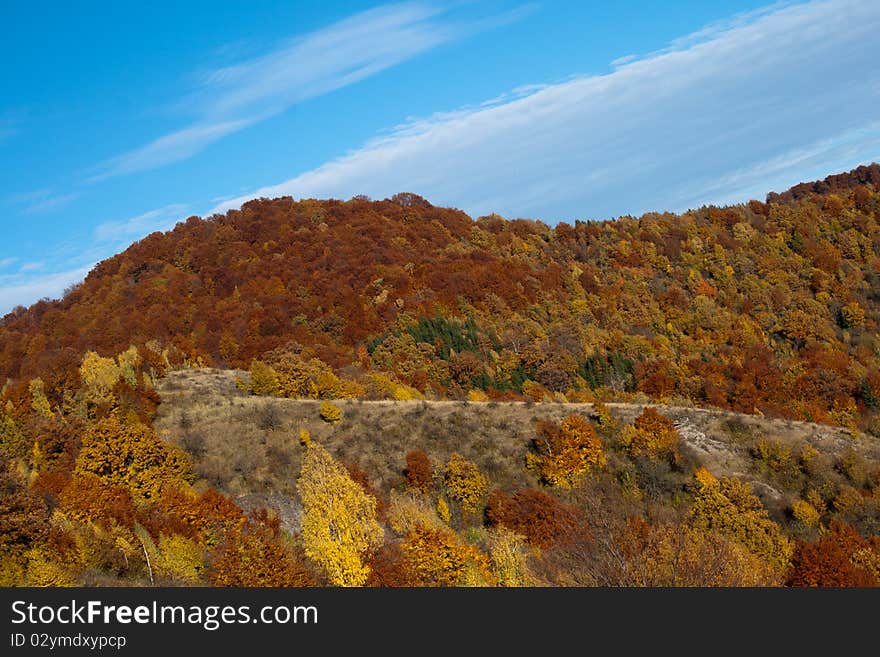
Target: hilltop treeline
(762, 307)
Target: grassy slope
(249, 446)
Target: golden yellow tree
(131, 455)
(563, 453)
(439, 558)
(339, 526)
(100, 375)
(39, 401)
(465, 483)
(729, 507)
(330, 412)
(264, 379)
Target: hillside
(760, 306)
(391, 393)
(248, 447)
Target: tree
(509, 556)
(132, 455)
(330, 412)
(438, 558)
(264, 379)
(418, 471)
(465, 483)
(100, 375)
(39, 402)
(729, 507)
(652, 434)
(562, 453)
(679, 555)
(13, 442)
(339, 526)
(543, 520)
(257, 557)
(839, 558)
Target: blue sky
(118, 119)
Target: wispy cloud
(43, 200)
(169, 148)
(16, 290)
(68, 262)
(50, 203)
(143, 224)
(753, 101)
(234, 97)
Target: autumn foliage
(563, 452)
(766, 308)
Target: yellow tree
(562, 453)
(264, 379)
(339, 526)
(100, 375)
(330, 412)
(131, 455)
(129, 362)
(652, 434)
(679, 555)
(439, 558)
(465, 483)
(39, 401)
(729, 507)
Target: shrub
(652, 434)
(418, 471)
(330, 412)
(562, 453)
(465, 483)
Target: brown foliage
(418, 471)
(541, 518)
(840, 558)
(258, 557)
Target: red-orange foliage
(541, 518)
(87, 497)
(389, 566)
(23, 515)
(418, 471)
(256, 556)
(208, 517)
(766, 306)
(840, 558)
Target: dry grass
(249, 446)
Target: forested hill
(761, 306)
(115, 470)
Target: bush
(269, 419)
(418, 471)
(330, 412)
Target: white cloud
(41, 200)
(234, 97)
(17, 290)
(744, 104)
(39, 279)
(50, 202)
(169, 148)
(143, 224)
